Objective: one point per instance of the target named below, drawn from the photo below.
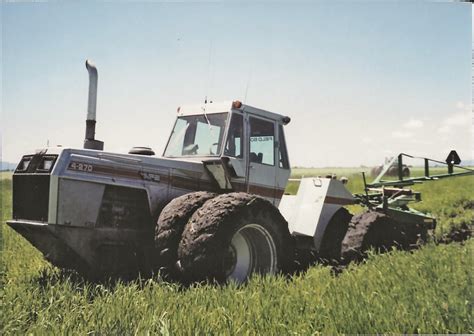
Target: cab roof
(227, 106)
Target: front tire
(171, 223)
(232, 237)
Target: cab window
(235, 140)
(262, 141)
(198, 135)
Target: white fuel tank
(317, 200)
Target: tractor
(211, 207)
(392, 171)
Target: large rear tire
(362, 234)
(376, 230)
(232, 237)
(335, 232)
(171, 224)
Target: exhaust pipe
(90, 142)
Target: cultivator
(394, 194)
(389, 221)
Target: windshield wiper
(205, 116)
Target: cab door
(261, 157)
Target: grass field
(426, 291)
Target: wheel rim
(252, 250)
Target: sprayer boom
(452, 162)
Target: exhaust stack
(90, 142)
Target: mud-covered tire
(376, 230)
(208, 251)
(335, 232)
(362, 234)
(170, 225)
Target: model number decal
(150, 176)
(85, 167)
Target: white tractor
(211, 207)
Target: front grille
(31, 197)
(124, 207)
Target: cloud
(366, 140)
(413, 124)
(455, 121)
(402, 134)
(422, 142)
(405, 132)
(460, 105)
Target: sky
(360, 80)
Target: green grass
(426, 291)
(6, 174)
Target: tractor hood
(84, 170)
(115, 168)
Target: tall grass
(429, 291)
(425, 291)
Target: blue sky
(361, 81)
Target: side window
(262, 141)
(284, 163)
(235, 139)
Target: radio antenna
(210, 73)
(247, 86)
(249, 79)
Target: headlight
(46, 164)
(36, 164)
(24, 163)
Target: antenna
(210, 73)
(249, 78)
(247, 87)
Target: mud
(462, 232)
(457, 234)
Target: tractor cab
(243, 148)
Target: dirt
(457, 234)
(462, 232)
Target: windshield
(197, 135)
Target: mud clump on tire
(171, 224)
(204, 248)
